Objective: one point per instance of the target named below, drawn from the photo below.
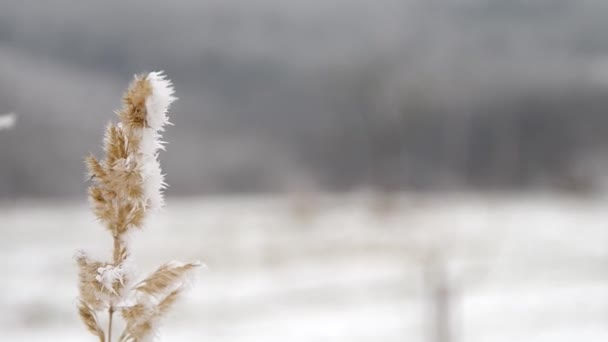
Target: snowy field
(520, 268)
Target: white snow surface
(521, 267)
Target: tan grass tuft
(141, 319)
(166, 304)
(168, 276)
(134, 112)
(96, 170)
(115, 144)
(89, 318)
(91, 291)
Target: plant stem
(116, 253)
(117, 261)
(110, 313)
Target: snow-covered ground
(520, 268)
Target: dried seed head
(126, 186)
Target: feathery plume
(127, 186)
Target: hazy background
(342, 94)
(349, 170)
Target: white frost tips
(158, 103)
(108, 275)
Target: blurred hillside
(277, 95)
